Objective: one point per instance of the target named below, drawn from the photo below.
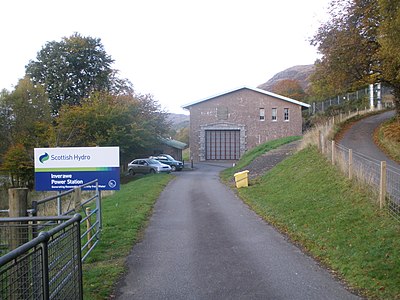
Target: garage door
(222, 144)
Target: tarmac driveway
(202, 242)
(360, 137)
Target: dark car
(147, 165)
(167, 159)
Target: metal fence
(351, 100)
(41, 255)
(49, 266)
(382, 178)
(73, 201)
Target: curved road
(360, 137)
(202, 242)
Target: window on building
(262, 114)
(286, 114)
(274, 114)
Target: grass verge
(333, 220)
(252, 154)
(387, 137)
(124, 216)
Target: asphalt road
(202, 242)
(360, 137)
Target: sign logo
(43, 157)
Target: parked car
(146, 166)
(167, 159)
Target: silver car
(147, 166)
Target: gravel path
(267, 161)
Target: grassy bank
(124, 216)
(387, 136)
(332, 219)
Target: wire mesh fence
(46, 267)
(352, 100)
(88, 204)
(14, 232)
(384, 180)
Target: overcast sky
(180, 51)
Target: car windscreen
(153, 162)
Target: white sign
(65, 168)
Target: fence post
(99, 210)
(382, 185)
(18, 207)
(88, 225)
(59, 205)
(333, 152)
(77, 198)
(350, 164)
(319, 140)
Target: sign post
(58, 169)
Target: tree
(289, 88)
(183, 135)
(30, 116)
(19, 165)
(71, 70)
(389, 39)
(25, 116)
(133, 123)
(5, 114)
(348, 44)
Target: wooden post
(382, 185)
(18, 207)
(77, 198)
(19, 235)
(319, 140)
(333, 152)
(88, 225)
(350, 164)
(322, 144)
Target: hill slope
(300, 73)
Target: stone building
(224, 126)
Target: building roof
(305, 105)
(173, 143)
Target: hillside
(178, 121)
(300, 73)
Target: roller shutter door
(222, 144)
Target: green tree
(348, 44)
(5, 117)
(183, 135)
(30, 116)
(133, 123)
(72, 69)
(19, 165)
(389, 39)
(25, 116)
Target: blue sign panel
(58, 169)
